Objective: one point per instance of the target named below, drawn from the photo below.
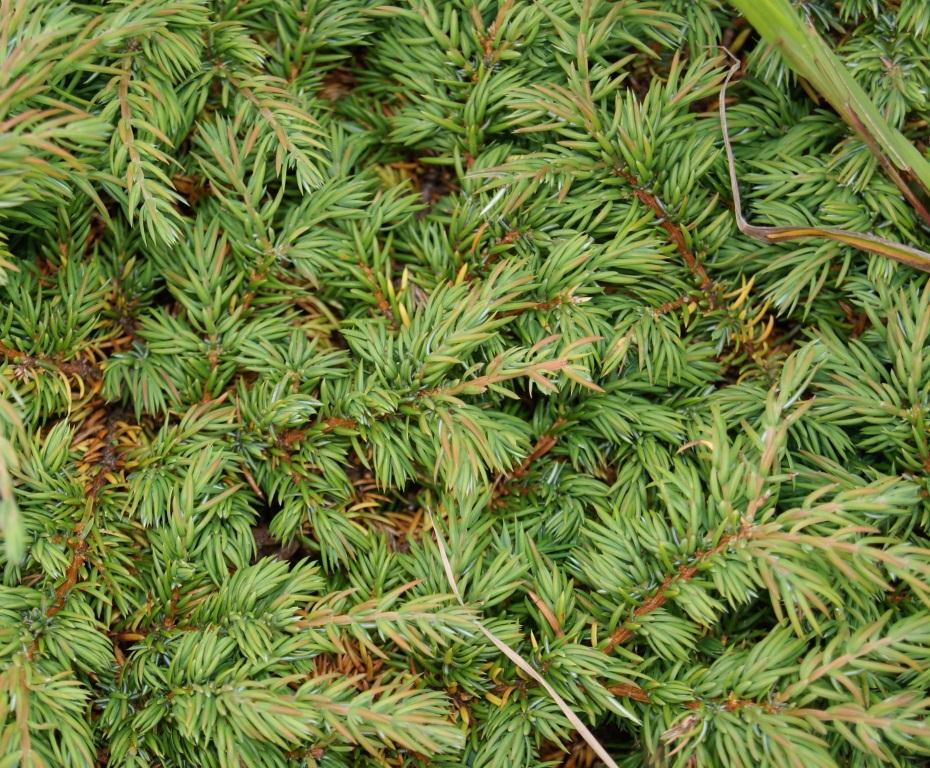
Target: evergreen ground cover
(298, 296)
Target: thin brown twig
(675, 235)
(629, 691)
(81, 368)
(543, 445)
(671, 306)
(79, 555)
(383, 304)
(547, 613)
(684, 573)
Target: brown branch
(104, 453)
(110, 459)
(543, 445)
(534, 371)
(731, 703)
(251, 480)
(79, 550)
(381, 301)
(171, 612)
(335, 422)
(80, 368)
(547, 613)
(675, 234)
(290, 437)
(685, 573)
(671, 306)
(630, 692)
(546, 306)
(540, 449)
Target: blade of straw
(519, 661)
(913, 257)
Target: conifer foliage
(282, 281)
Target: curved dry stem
(913, 257)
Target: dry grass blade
(905, 254)
(522, 663)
